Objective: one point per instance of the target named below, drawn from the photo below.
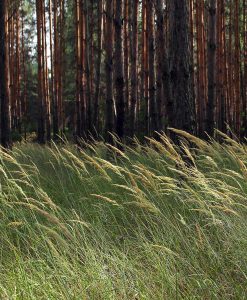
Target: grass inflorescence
(98, 222)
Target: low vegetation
(152, 222)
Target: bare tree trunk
(119, 73)
(126, 54)
(24, 77)
(237, 68)
(4, 75)
(41, 96)
(183, 114)
(244, 84)
(211, 67)
(98, 65)
(163, 77)
(109, 123)
(133, 62)
(46, 79)
(151, 74)
(88, 71)
(78, 116)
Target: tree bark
(151, 74)
(211, 67)
(98, 65)
(41, 96)
(4, 86)
(119, 73)
(133, 62)
(182, 115)
(109, 122)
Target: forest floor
(140, 224)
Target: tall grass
(100, 223)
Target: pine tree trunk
(244, 84)
(119, 73)
(133, 62)
(78, 116)
(151, 83)
(237, 68)
(163, 81)
(211, 68)
(183, 113)
(41, 96)
(98, 65)
(4, 86)
(109, 122)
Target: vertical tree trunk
(78, 126)
(52, 99)
(151, 83)
(17, 71)
(82, 41)
(88, 41)
(160, 58)
(4, 86)
(163, 80)
(244, 119)
(12, 99)
(109, 122)
(201, 68)
(183, 114)
(211, 67)
(237, 68)
(24, 77)
(55, 70)
(133, 66)
(98, 64)
(144, 114)
(221, 97)
(41, 96)
(46, 78)
(119, 73)
(126, 54)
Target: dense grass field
(101, 223)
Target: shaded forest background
(88, 68)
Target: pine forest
(123, 149)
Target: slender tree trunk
(4, 86)
(211, 67)
(237, 68)
(160, 48)
(133, 62)
(109, 123)
(24, 77)
(244, 119)
(52, 62)
(119, 72)
(78, 126)
(98, 65)
(151, 74)
(88, 71)
(46, 79)
(17, 71)
(55, 71)
(41, 96)
(126, 55)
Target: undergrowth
(139, 223)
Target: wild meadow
(146, 221)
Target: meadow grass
(102, 223)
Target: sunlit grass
(104, 223)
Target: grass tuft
(136, 223)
